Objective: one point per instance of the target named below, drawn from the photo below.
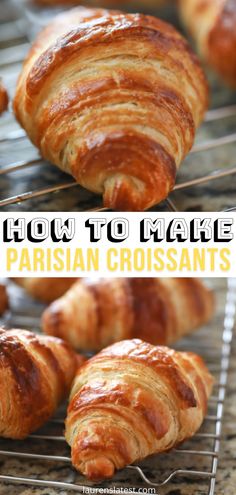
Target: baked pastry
(3, 98)
(113, 99)
(96, 313)
(35, 375)
(45, 289)
(213, 26)
(3, 299)
(133, 400)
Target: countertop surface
(212, 196)
(207, 342)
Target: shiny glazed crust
(3, 299)
(97, 313)
(133, 400)
(45, 289)
(113, 99)
(3, 98)
(213, 25)
(35, 375)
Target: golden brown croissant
(97, 313)
(114, 99)
(213, 25)
(133, 400)
(3, 299)
(45, 289)
(3, 98)
(35, 375)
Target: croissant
(114, 99)
(35, 375)
(97, 313)
(213, 25)
(3, 98)
(45, 289)
(3, 299)
(133, 400)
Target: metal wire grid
(205, 444)
(14, 55)
(15, 34)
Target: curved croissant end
(96, 313)
(113, 99)
(35, 375)
(213, 26)
(46, 289)
(133, 400)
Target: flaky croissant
(45, 289)
(96, 313)
(3, 299)
(4, 100)
(114, 99)
(35, 375)
(213, 25)
(133, 400)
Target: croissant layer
(45, 290)
(133, 400)
(96, 313)
(86, 102)
(213, 25)
(35, 375)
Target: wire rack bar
(15, 167)
(35, 456)
(220, 113)
(203, 180)
(214, 143)
(227, 338)
(44, 457)
(13, 136)
(205, 453)
(53, 438)
(67, 185)
(174, 474)
(42, 483)
(58, 438)
(215, 400)
(36, 194)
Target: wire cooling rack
(207, 179)
(46, 457)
